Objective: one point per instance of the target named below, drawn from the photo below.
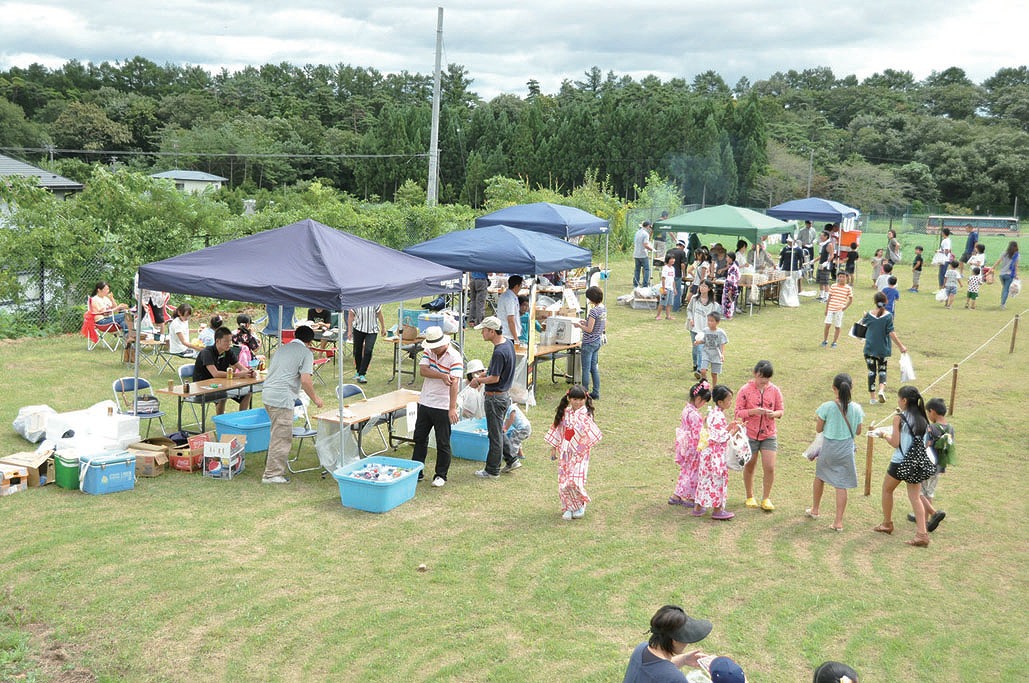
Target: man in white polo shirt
(442, 368)
(508, 309)
(290, 370)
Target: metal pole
(953, 387)
(810, 172)
(433, 182)
(1014, 334)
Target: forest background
(348, 145)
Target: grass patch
(193, 579)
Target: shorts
(929, 486)
(715, 366)
(822, 276)
(951, 290)
(972, 296)
(667, 298)
(893, 470)
(769, 444)
(834, 318)
(966, 256)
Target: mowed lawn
(187, 579)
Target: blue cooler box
(427, 320)
(376, 496)
(254, 424)
(410, 316)
(107, 472)
(469, 440)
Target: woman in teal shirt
(839, 421)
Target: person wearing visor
(660, 659)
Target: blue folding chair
(146, 407)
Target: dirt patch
(52, 659)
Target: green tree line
(885, 143)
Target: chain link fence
(43, 300)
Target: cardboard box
(226, 457)
(39, 465)
(13, 479)
(189, 458)
(151, 459)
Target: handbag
(917, 465)
(738, 452)
(858, 330)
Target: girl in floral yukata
(712, 472)
(571, 437)
(731, 287)
(686, 439)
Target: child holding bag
(839, 421)
(712, 471)
(687, 437)
(571, 437)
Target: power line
(258, 155)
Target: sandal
(919, 541)
(675, 501)
(812, 515)
(836, 528)
(884, 528)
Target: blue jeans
(590, 369)
(698, 353)
(496, 406)
(641, 269)
(1005, 285)
(677, 304)
(119, 318)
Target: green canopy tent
(726, 220)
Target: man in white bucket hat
(442, 367)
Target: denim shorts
(952, 290)
(769, 444)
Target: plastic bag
(31, 422)
(907, 370)
(812, 451)
(1015, 288)
(941, 295)
(738, 453)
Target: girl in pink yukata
(686, 438)
(571, 437)
(712, 472)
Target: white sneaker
(483, 474)
(274, 480)
(438, 482)
(567, 516)
(580, 513)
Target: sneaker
(766, 505)
(696, 375)
(438, 482)
(882, 396)
(751, 503)
(833, 345)
(483, 474)
(580, 513)
(912, 290)
(362, 379)
(567, 515)
(872, 402)
(595, 397)
(824, 344)
(274, 480)
(511, 466)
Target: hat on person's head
(692, 630)
(646, 224)
(434, 338)
(724, 670)
(491, 322)
(681, 243)
(474, 365)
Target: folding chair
(321, 356)
(349, 390)
(109, 334)
(124, 390)
(186, 375)
(301, 432)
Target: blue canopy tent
(302, 264)
(502, 249)
(814, 209)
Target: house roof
(178, 174)
(48, 180)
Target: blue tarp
(303, 264)
(814, 209)
(502, 249)
(552, 219)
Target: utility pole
(432, 185)
(810, 170)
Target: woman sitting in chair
(105, 310)
(178, 334)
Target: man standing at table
(508, 309)
(214, 361)
(441, 366)
(641, 249)
(679, 253)
(497, 400)
(291, 370)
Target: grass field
(189, 579)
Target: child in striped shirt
(840, 299)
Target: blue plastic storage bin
(254, 424)
(107, 472)
(469, 440)
(377, 496)
(427, 320)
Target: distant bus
(986, 225)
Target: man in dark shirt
(214, 361)
(497, 400)
(679, 252)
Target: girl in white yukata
(571, 437)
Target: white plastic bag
(907, 370)
(1015, 288)
(738, 453)
(31, 422)
(812, 451)
(941, 295)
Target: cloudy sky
(546, 40)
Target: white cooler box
(562, 330)
(117, 427)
